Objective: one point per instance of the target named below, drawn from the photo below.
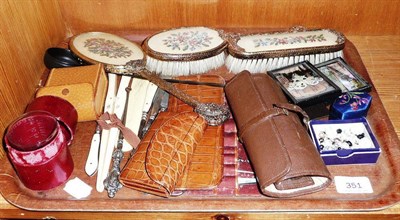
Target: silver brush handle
(213, 113)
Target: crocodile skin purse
(203, 165)
(164, 153)
(285, 161)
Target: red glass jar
(37, 148)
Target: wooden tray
(384, 177)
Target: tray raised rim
(13, 194)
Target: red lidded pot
(60, 108)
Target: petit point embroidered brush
(184, 51)
(99, 47)
(262, 52)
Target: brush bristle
(184, 68)
(236, 65)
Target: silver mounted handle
(213, 113)
(111, 182)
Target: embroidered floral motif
(288, 40)
(188, 40)
(107, 48)
(354, 98)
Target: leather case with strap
(285, 161)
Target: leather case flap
(271, 169)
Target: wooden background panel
(352, 17)
(127, 15)
(27, 29)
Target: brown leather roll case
(285, 160)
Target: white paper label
(350, 184)
(77, 188)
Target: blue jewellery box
(350, 105)
(345, 141)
